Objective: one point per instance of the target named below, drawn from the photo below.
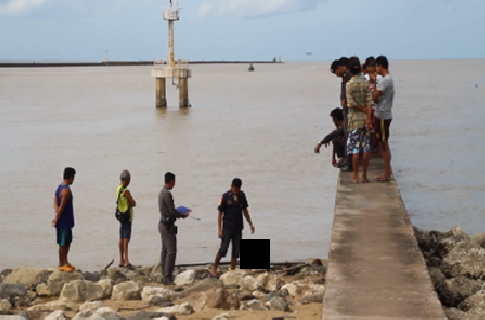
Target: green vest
(123, 202)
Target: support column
(161, 99)
(184, 92)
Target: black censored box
(255, 254)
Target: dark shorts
(64, 237)
(382, 129)
(125, 230)
(358, 141)
(235, 238)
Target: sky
(82, 30)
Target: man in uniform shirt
(168, 229)
(232, 206)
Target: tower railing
(164, 64)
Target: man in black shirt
(336, 137)
(232, 206)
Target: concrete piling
(161, 89)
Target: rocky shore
(456, 265)
(288, 291)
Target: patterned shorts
(358, 141)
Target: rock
(277, 304)
(158, 301)
(260, 295)
(224, 316)
(148, 292)
(202, 285)
(299, 276)
(126, 291)
(253, 305)
(150, 315)
(92, 276)
(478, 240)
(465, 259)
(317, 262)
(56, 315)
(31, 295)
(313, 270)
(233, 277)
(107, 287)
(312, 298)
(11, 317)
(247, 297)
(218, 298)
(183, 309)
(476, 300)
(456, 237)
(87, 315)
(13, 293)
(269, 282)
(56, 305)
(423, 238)
(28, 277)
(80, 291)
(107, 312)
(91, 305)
(248, 283)
(433, 262)
(437, 277)
(453, 291)
(24, 314)
(56, 282)
(5, 306)
(304, 288)
(455, 314)
(279, 293)
(37, 302)
(185, 278)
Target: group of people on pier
(362, 125)
(232, 207)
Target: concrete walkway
(375, 269)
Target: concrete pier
(161, 92)
(375, 269)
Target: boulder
(4, 273)
(183, 309)
(270, 282)
(465, 259)
(38, 301)
(475, 301)
(248, 283)
(318, 298)
(5, 306)
(28, 277)
(107, 287)
(92, 276)
(218, 298)
(277, 304)
(433, 262)
(201, 286)
(87, 315)
(304, 288)
(81, 291)
(233, 277)
(425, 241)
(455, 314)
(253, 305)
(149, 291)
(56, 315)
(126, 291)
(150, 315)
(224, 316)
(278, 293)
(107, 312)
(258, 294)
(453, 291)
(56, 305)
(446, 244)
(185, 278)
(437, 277)
(478, 240)
(158, 301)
(13, 293)
(91, 305)
(11, 317)
(56, 282)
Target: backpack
(121, 216)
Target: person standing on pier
(168, 229)
(64, 218)
(125, 203)
(340, 69)
(359, 102)
(383, 97)
(232, 206)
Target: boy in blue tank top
(64, 219)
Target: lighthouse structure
(170, 68)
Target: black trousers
(169, 249)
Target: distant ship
(309, 53)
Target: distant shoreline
(109, 64)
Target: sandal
(214, 277)
(365, 181)
(120, 265)
(382, 179)
(350, 181)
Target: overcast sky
(242, 29)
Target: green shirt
(123, 204)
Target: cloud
(205, 9)
(258, 8)
(17, 6)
